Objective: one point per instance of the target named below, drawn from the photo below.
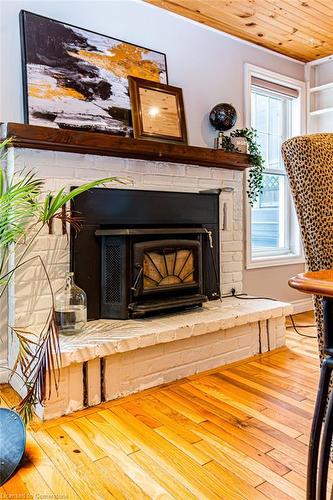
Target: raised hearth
(111, 359)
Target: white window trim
(250, 71)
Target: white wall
(208, 66)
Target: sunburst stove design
(167, 264)
(147, 267)
(141, 275)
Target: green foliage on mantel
(257, 162)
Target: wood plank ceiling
(296, 28)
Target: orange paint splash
(48, 92)
(123, 60)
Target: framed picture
(157, 111)
(77, 79)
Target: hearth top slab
(106, 337)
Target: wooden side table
(320, 283)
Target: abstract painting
(77, 79)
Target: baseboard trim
(302, 305)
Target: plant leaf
(61, 198)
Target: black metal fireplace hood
(138, 213)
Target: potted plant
(24, 212)
(256, 177)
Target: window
(271, 116)
(273, 236)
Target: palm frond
(67, 217)
(18, 205)
(53, 204)
(4, 149)
(27, 404)
(25, 349)
(39, 359)
(38, 356)
(42, 370)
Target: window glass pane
(262, 140)
(268, 217)
(270, 118)
(275, 116)
(262, 113)
(274, 147)
(253, 108)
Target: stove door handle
(137, 279)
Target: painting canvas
(77, 79)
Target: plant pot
(240, 143)
(12, 443)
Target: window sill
(274, 261)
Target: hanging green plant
(256, 175)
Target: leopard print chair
(308, 161)
(309, 165)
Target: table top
(315, 283)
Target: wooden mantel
(103, 144)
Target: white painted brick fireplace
(137, 354)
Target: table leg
(317, 423)
(325, 451)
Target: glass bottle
(70, 307)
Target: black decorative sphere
(223, 116)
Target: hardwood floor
(238, 432)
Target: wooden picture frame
(157, 111)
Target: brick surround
(67, 169)
(212, 339)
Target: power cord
(244, 296)
(295, 327)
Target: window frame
(298, 126)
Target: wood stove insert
(144, 252)
(142, 272)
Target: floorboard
(237, 432)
